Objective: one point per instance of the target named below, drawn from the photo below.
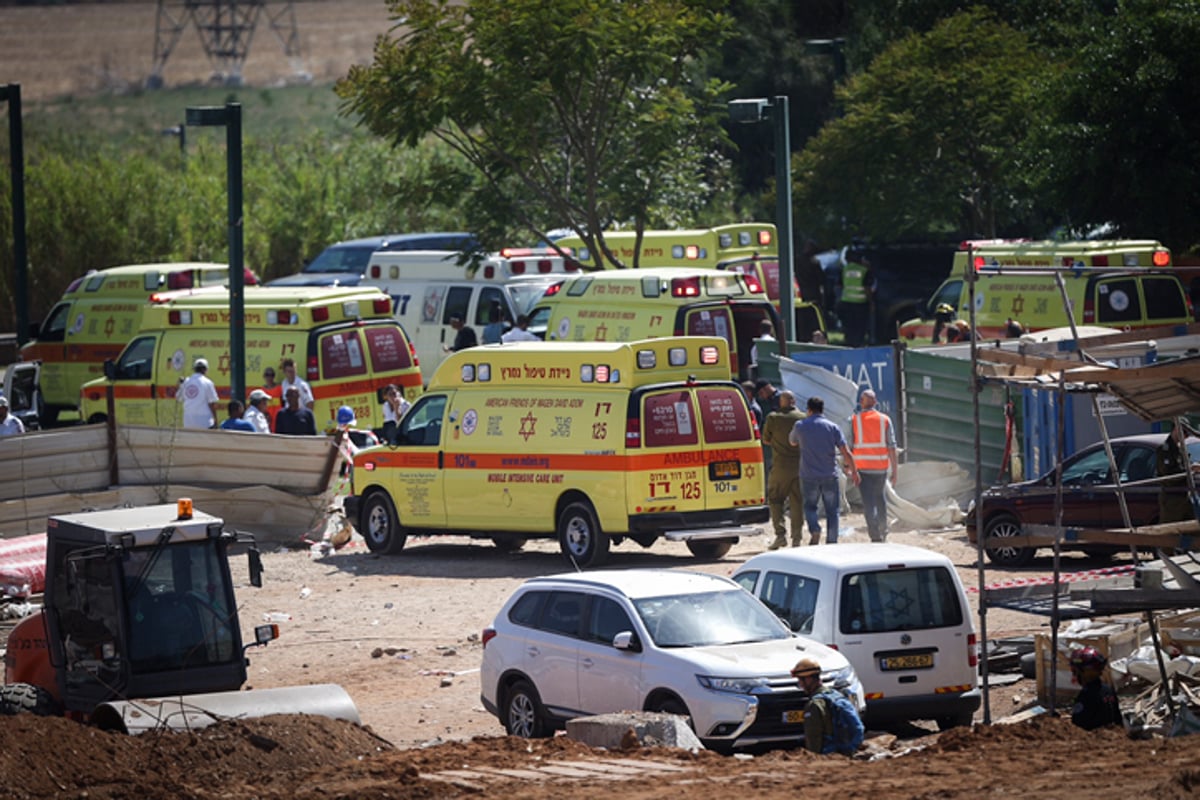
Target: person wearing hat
(256, 412)
(821, 717)
(464, 336)
(198, 395)
(9, 424)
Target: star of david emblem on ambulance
(527, 426)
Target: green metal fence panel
(938, 414)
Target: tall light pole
(12, 94)
(776, 110)
(230, 116)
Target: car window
(1090, 469)
(342, 355)
(54, 329)
(1137, 464)
(348, 260)
(606, 619)
(137, 361)
(793, 598)
(562, 613)
(1117, 301)
(423, 424)
(1164, 297)
(457, 300)
(525, 611)
(949, 293)
(747, 580)
(708, 618)
(488, 296)
(899, 600)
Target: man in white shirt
(519, 333)
(9, 424)
(255, 413)
(290, 379)
(199, 397)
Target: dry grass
(72, 50)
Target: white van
(427, 287)
(898, 613)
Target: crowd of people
(290, 415)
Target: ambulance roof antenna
(226, 28)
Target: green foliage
(577, 113)
(929, 143)
(93, 203)
(1123, 149)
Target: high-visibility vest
(870, 444)
(854, 283)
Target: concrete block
(626, 729)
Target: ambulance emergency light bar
(605, 373)
(349, 308)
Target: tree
(929, 141)
(1124, 146)
(575, 113)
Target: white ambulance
(428, 287)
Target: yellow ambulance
(96, 316)
(1123, 284)
(590, 443)
(345, 343)
(626, 305)
(750, 248)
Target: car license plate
(794, 716)
(916, 661)
(725, 470)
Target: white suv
(657, 640)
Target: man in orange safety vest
(874, 449)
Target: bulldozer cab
(140, 604)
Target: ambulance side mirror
(110, 369)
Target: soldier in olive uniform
(783, 480)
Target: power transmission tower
(226, 28)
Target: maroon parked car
(1089, 497)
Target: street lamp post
(12, 94)
(230, 116)
(776, 110)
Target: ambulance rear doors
(696, 449)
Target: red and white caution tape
(1066, 577)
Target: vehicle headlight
(733, 685)
(841, 678)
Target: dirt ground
(401, 634)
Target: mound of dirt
(312, 757)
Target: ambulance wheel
(508, 544)
(710, 548)
(381, 525)
(579, 536)
(97, 419)
(25, 698)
